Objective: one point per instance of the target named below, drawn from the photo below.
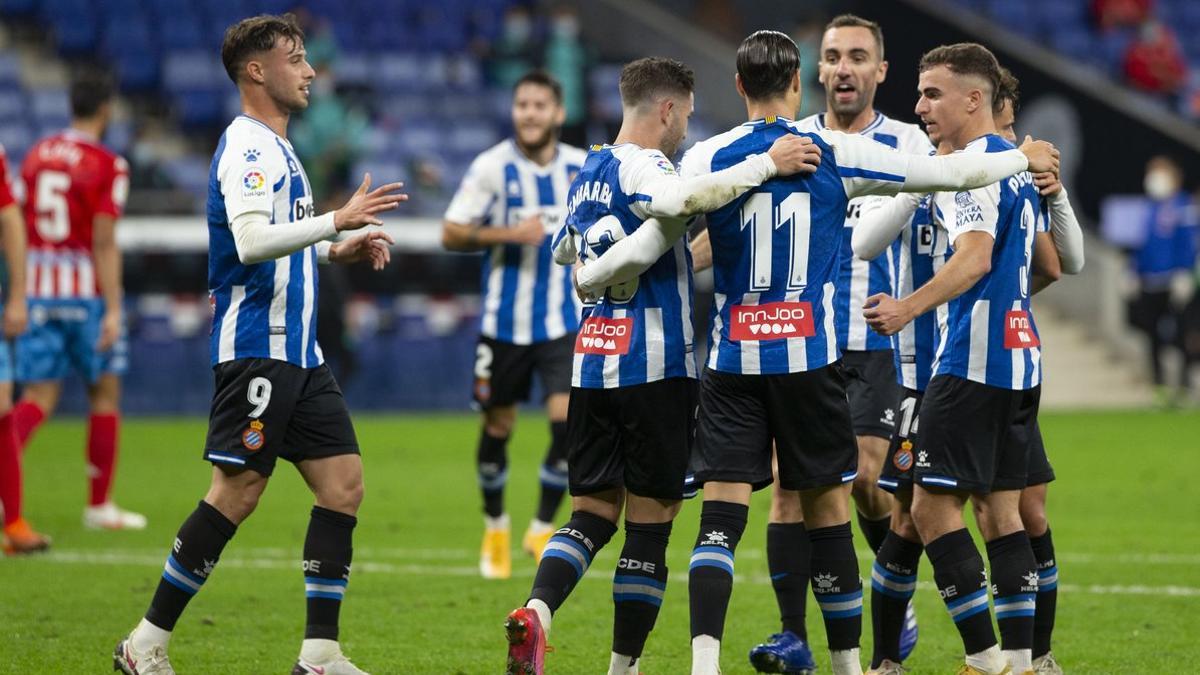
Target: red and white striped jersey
(70, 178)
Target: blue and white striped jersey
(268, 309)
(990, 335)
(639, 331)
(858, 279)
(922, 252)
(526, 297)
(776, 248)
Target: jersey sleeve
(114, 189)
(247, 177)
(6, 195)
(475, 195)
(639, 173)
(975, 210)
(866, 167)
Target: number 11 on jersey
(760, 214)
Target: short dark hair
(255, 35)
(966, 58)
(855, 21)
(542, 79)
(766, 62)
(646, 78)
(1010, 90)
(91, 88)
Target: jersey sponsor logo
(772, 321)
(1018, 331)
(603, 336)
(254, 183)
(303, 208)
(968, 210)
(903, 460)
(253, 437)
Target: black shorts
(1040, 471)
(638, 438)
(872, 389)
(264, 408)
(896, 474)
(504, 371)
(805, 414)
(974, 437)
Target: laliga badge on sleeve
(253, 437)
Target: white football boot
(325, 658)
(132, 662)
(109, 516)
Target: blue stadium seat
(16, 139)
(189, 173)
(192, 71)
(199, 108)
(136, 71)
(185, 31)
(1075, 43)
(471, 137)
(418, 138)
(399, 72)
(1112, 47)
(12, 106)
(10, 70)
(19, 7)
(1015, 15)
(356, 69)
(49, 103)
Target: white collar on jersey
(538, 168)
(879, 118)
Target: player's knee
(903, 525)
(1033, 517)
(785, 506)
(499, 422)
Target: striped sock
(1014, 573)
(553, 473)
(962, 581)
(198, 546)
(893, 580)
(567, 557)
(327, 552)
(836, 584)
(710, 574)
(639, 585)
(1047, 593)
(491, 463)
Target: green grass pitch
(1125, 515)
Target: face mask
(1160, 184)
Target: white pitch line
(119, 558)
(744, 554)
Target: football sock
(710, 574)
(893, 580)
(1047, 595)
(836, 584)
(789, 561)
(10, 471)
(553, 473)
(328, 549)
(27, 416)
(962, 581)
(491, 461)
(146, 636)
(102, 456)
(622, 664)
(568, 555)
(198, 546)
(874, 531)
(638, 585)
(1014, 573)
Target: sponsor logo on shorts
(923, 459)
(889, 417)
(1018, 331)
(903, 459)
(604, 336)
(772, 321)
(253, 437)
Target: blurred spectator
(514, 53)
(1165, 267)
(329, 137)
(1113, 13)
(320, 46)
(1154, 62)
(567, 60)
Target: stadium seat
(19, 8)
(12, 105)
(192, 70)
(16, 138)
(1076, 43)
(10, 70)
(199, 108)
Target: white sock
(990, 660)
(706, 655)
(620, 664)
(1021, 660)
(845, 662)
(536, 525)
(147, 636)
(319, 651)
(543, 612)
(500, 522)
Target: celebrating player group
(871, 342)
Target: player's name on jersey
(590, 191)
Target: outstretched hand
(365, 203)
